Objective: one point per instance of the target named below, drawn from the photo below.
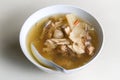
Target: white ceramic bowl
(56, 9)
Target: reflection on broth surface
(65, 39)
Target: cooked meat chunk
(47, 31)
(70, 39)
(48, 23)
(50, 44)
(67, 30)
(79, 48)
(58, 34)
(90, 50)
(64, 50)
(77, 33)
(71, 18)
(58, 24)
(87, 43)
(61, 41)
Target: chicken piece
(71, 47)
(88, 37)
(74, 54)
(71, 18)
(64, 50)
(60, 41)
(87, 43)
(67, 30)
(80, 31)
(79, 48)
(58, 24)
(47, 31)
(58, 34)
(70, 52)
(49, 43)
(90, 50)
(48, 23)
(77, 33)
(61, 49)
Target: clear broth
(66, 62)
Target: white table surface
(14, 65)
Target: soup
(65, 39)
